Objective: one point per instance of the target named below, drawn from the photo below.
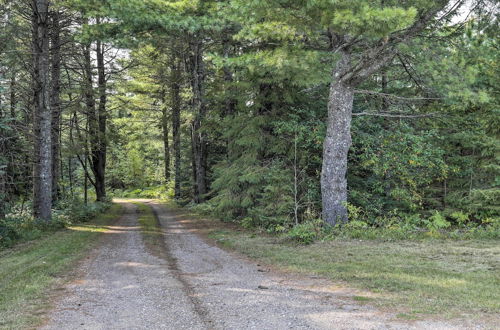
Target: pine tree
(363, 37)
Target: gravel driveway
(195, 285)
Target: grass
(446, 277)
(30, 270)
(150, 229)
(415, 278)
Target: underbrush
(414, 266)
(393, 226)
(311, 231)
(157, 192)
(20, 225)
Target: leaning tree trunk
(42, 170)
(55, 102)
(336, 146)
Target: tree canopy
(268, 113)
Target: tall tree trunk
(193, 167)
(96, 119)
(13, 95)
(91, 133)
(55, 102)
(9, 148)
(387, 126)
(336, 146)
(166, 147)
(3, 166)
(230, 103)
(176, 123)
(70, 157)
(42, 170)
(99, 152)
(8, 143)
(198, 138)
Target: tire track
(173, 266)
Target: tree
(363, 36)
(42, 173)
(175, 99)
(99, 148)
(55, 99)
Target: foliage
(159, 192)
(306, 232)
(29, 271)
(19, 225)
(424, 154)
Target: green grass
(150, 229)
(30, 270)
(417, 278)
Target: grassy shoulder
(416, 278)
(449, 278)
(29, 270)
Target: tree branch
(375, 58)
(392, 96)
(395, 115)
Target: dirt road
(194, 285)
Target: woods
(166, 157)
(272, 114)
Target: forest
(249, 164)
(283, 115)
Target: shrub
(157, 192)
(437, 222)
(306, 232)
(203, 208)
(20, 224)
(7, 234)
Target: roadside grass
(29, 270)
(445, 277)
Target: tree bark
(176, 123)
(166, 146)
(336, 145)
(42, 170)
(100, 149)
(13, 95)
(91, 132)
(230, 103)
(3, 166)
(198, 138)
(55, 102)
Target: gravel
(123, 286)
(196, 285)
